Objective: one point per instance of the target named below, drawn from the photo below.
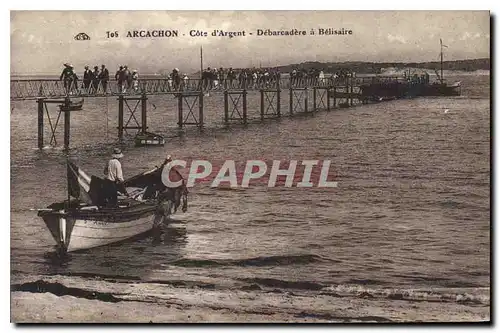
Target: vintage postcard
(250, 166)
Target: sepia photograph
(250, 166)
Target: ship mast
(201, 63)
(441, 54)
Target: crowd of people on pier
(256, 78)
(245, 78)
(97, 80)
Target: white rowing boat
(77, 226)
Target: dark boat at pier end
(411, 85)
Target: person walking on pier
(119, 79)
(135, 80)
(104, 78)
(293, 77)
(254, 79)
(231, 75)
(176, 78)
(128, 77)
(266, 77)
(87, 78)
(170, 82)
(242, 78)
(69, 78)
(215, 75)
(95, 79)
(222, 77)
(321, 77)
(206, 77)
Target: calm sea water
(411, 210)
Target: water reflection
(171, 234)
(132, 258)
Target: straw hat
(117, 153)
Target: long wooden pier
(327, 94)
(32, 89)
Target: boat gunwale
(104, 214)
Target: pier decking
(32, 89)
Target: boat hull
(75, 234)
(149, 139)
(85, 229)
(73, 106)
(149, 142)
(441, 90)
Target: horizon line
(304, 62)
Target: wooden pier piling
(40, 122)
(179, 111)
(334, 97)
(244, 106)
(327, 99)
(67, 123)
(351, 92)
(226, 108)
(346, 91)
(262, 105)
(314, 99)
(200, 110)
(306, 100)
(187, 114)
(235, 106)
(144, 122)
(278, 101)
(120, 118)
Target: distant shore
(386, 72)
(466, 66)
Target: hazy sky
(41, 41)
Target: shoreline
(133, 302)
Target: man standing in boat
(114, 178)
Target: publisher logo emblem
(82, 36)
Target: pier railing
(27, 89)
